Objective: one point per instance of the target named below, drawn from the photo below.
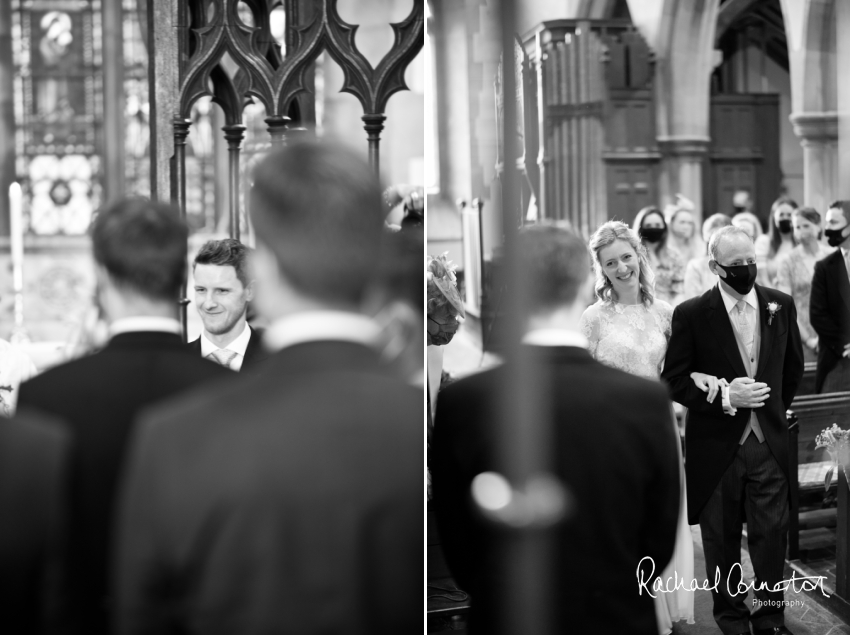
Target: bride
(629, 329)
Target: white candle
(16, 235)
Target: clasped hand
(745, 392)
(709, 383)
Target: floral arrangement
(837, 444)
(440, 272)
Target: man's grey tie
(745, 326)
(223, 357)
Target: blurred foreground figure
(140, 257)
(33, 463)
(614, 449)
(287, 502)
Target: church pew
(807, 385)
(808, 416)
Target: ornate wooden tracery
(225, 49)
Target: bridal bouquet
(837, 443)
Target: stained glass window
(58, 110)
(137, 166)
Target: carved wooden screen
(227, 50)
(593, 81)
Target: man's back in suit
(99, 396)
(615, 451)
(33, 462)
(829, 312)
(287, 502)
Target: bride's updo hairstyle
(606, 234)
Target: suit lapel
(767, 330)
(723, 334)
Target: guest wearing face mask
(795, 271)
(666, 263)
(829, 308)
(778, 242)
(683, 230)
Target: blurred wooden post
(521, 444)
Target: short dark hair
(142, 245)
(554, 262)
(224, 253)
(844, 206)
(318, 208)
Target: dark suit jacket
(99, 396)
(255, 353)
(829, 312)
(33, 463)
(614, 448)
(284, 502)
(703, 340)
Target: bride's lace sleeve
(589, 325)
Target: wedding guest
(795, 271)
(634, 509)
(223, 291)
(829, 308)
(140, 264)
(741, 202)
(34, 452)
(445, 312)
(698, 276)
(667, 264)
(683, 235)
(778, 242)
(289, 499)
(750, 223)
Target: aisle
(803, 617)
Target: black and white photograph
(638, 317)
(212, 328)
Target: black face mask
(652, 234)
(834, 236)
(784, 226)
(740, 277)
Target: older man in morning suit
(614, 448)
(291, 500)
(736, 447)
(140, 257)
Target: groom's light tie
(745, 325)
(223, 357)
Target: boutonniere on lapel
(772, 309)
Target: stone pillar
(818, 132)
(681, 170)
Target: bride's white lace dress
(633, 338)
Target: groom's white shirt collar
(729, 302)
(555, 337)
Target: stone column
(818, 132)
(681, 170)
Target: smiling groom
(223, 289)
(736, 447)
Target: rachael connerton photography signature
(807, 583)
